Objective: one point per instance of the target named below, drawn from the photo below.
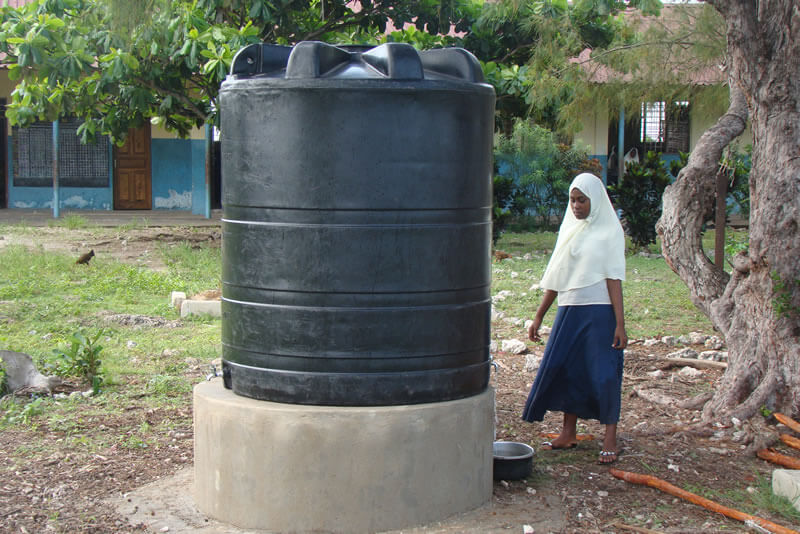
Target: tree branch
(689, 199)
(184, 99)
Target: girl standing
(581, 372)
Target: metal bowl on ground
(512, 460)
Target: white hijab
(588, 250)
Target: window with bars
(665, 128)
(78, 165)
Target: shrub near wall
(638, 197)
(533, 172)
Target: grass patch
(755, 499)
(45, 299)
(656, 300)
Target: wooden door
(132, 182)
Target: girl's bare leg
(569, 433)
(609, 454)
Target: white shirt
(584, 296)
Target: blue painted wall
(178, 182)
(171, 167)
(198, 156)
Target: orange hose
(775, 457)
(788, 421)
(790, 441)
(653, 482)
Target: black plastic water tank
(357, 224)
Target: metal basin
(512, 460)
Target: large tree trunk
(757, 307)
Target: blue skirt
(581, 373)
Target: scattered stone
(131, 344)
(673, 467)
(669, 340)
(690, 372)
(683, 340)
(516, 321)
(166, 353)
(493, 346)
(527, 256)
(651, 342)
(544, 330)
(714, 343)
(501, 296)
(514, 346)
(527, 529)
(713, 355)
(684, 353)
(534, 287)
(497, 315)
(528, 324)
(532, 362)
(602, 493)
(697, 338)
(531, 491)
(514, 274)
(658, 373)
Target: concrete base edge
(786, 483)
(295, 468)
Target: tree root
(690, 362)
(697, 402)
(653, 482)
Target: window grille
(665, 128)
(78, 165)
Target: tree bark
(756, 307)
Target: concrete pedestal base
(294, 468)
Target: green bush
(82, 359)
(533, 173)
(638, 196)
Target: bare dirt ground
(47, 486)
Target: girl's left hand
(620, 338)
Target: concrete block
(201, 307)
(176, 298)
(298, 468)
(786, 483)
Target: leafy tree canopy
(118, 63)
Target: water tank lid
(392, 61)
